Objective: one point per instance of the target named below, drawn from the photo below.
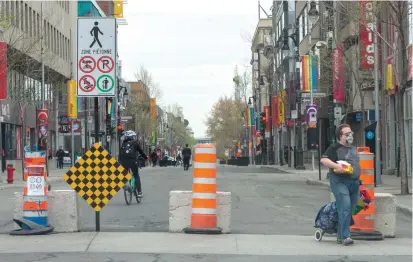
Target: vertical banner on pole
(3, 70)
(338, 74)
(42, 127)
(153, 108)
(71, 99)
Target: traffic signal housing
(263, 121)
(120, 128)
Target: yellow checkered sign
(97, 177)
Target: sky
(190, 47)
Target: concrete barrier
(385, 214)
(63, 212)
(180, 211)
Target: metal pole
(97, 220)
(72, 142)
(377, 107)
(86, 124)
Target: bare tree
(154, 90)
(242, 84)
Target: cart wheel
(318, 235)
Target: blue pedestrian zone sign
(369, 135)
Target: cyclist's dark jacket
(131, 162)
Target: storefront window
(12, 134)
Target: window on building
(17, 14)
(13, 13)
(12, 143)
(26, 18)
(38, 25)
(23, 19)
(30, 28)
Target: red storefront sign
(338, 73)
(267, 118)
(275, 119)
(410, 62)
(3, 70)
(366, 35)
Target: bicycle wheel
(127, 190)
(138, 199)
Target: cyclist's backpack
(128, 150)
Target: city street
(272, 213)
(262, 203)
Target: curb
(278, 170)
(402, 208)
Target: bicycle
(129, 189)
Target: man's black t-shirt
(337, 152)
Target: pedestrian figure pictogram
(95, 33)
(105, 83)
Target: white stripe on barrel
(205, 150)
(204, 195)
(204, 211)
(204, 165)
(198, 180)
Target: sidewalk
(390, 184)
(234, 244)
(55, 175)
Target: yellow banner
(71, 99)
(118, 8)
(389, 82)
(153, 108)
(281, 107)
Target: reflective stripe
(367, 171)
(204, 165)
(366, 157)
(204, 150)
(35, 213)
(204, 211)
(205, 181)
(204, 195)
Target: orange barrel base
(206, 231)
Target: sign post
(96, 56)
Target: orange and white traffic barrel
(204, 191)
(35, 205)
(364, 220)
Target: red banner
(42, 120)
(267, 118)
(338, 73)
(410, 62)
(3, 70)
(366, 35)
(275, 118)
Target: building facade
(39, 51)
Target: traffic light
(263, 121)
(120, 129)
(108, 124)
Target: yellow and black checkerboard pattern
(97, 177)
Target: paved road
(128, 257)
(262, 203)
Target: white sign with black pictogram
(96, 57)
(35, 186)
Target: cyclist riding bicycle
(128, 157)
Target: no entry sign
(96, 42)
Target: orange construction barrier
(35, 205)
(364, 220)
(204, 191)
